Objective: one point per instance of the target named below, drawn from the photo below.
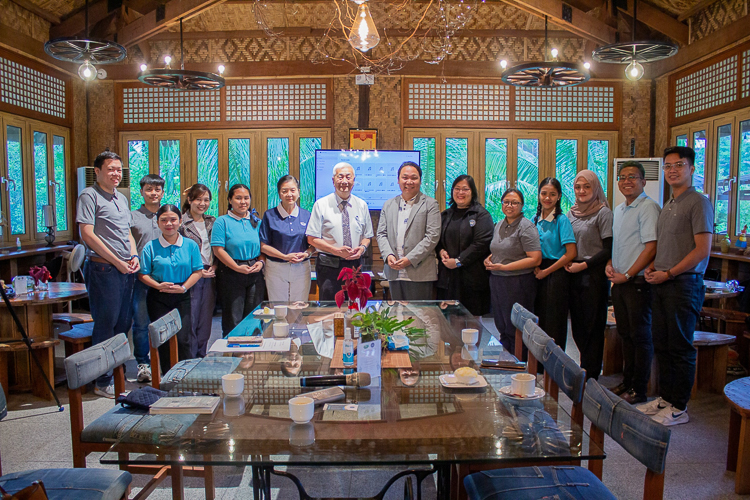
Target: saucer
(260, 314)
(449, 381)
(538, 393)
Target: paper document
(268, 345)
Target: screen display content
(376, 173)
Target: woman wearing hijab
(591, 219)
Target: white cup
(280, 312)
(301, 434)
(523, 384)
(301, 409)
(234, 406)
(232, 384)
(469, 352)
(281, 329)
(470, 335)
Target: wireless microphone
(355, 379)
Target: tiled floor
(36, 435)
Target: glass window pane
(743, 193)
(61, 202)
(528, 174)
(208, 169)
(699, 145)
(723, 186)
(495, 175)
(598, 161)
(682, 140)
(41, 186)
(426, 148)
(456, 162)
(169, 170)
(138, 165)
(239, 162)
(566, 168)
(15, 176)
(278, 166)
(307, 147)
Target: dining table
(408, 419)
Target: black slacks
(238, 294)
(327, 277)
(507, 290)
(552, 303)
(632, 303)
(589, 291)
(159, 304)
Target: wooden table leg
(742, 475)
(46, 358)
(178, 483)
(4, 357)
(735, 421)
(721, 355)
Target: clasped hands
(447, 261)
(398, 264)
(349, 253)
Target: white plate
(299, 305)
(260, 314)
(449, 380)
(538, 393)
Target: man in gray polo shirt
(683, 245)
(144, 229)
(104, 222)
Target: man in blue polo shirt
(633, 248)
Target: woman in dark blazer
(465, 236)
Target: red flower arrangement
(356, 286)
(40, 274)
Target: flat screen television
(376, 173)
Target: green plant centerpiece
(374, 325)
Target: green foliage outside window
(723, 173)
(208, 170)
(566, 168)
(307, 147)
(41, 186)
(426, 148)
(169, 170)
(456, 162)
(495, 175)
(138, 164)
(743, 214)
(598, 162)
(699, 145)
(528, 174)
(278, 166)
(61, 204)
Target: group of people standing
(558, 265)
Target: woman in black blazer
(465, 236)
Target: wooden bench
(734, 324)
(77, 338)
(71, 319)
(737, 394)
(711, 365)
(45, 351)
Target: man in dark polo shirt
(104, 222)
(683, 244)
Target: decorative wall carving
(715, 16)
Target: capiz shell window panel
(287, 102)
(31, 89)
(707, 88)
(570, 104)
(465, 102)
(155, 105)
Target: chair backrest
(164, 328)
(3, 404)
(519, 315)
(646, 440)
(565, 372)
(535, 339)
(86, 366)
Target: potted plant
(374, 325)
(356, 287)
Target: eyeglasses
(677, 165)
(631, 177)
(511, 203)
(462, 190)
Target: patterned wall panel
(80, 147)
(466, 102)
(31, 89)
(385, 111)
(277, 102)
(102, 122)
(636, 118)
(707, 88)
(715, 16)
(155, 105)
(594, 104)
(661, 135)
(24, 21)
(346, 109)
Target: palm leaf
(277, 164)
(208, 169)
(426, 147)
(138, 164)
(307, 147)
(169, 170)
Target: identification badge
(303, 224)
(472, 222)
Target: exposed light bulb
(143, 67)
(364, 35)
(167, 60)
(554, 53)
(634, 71)
(503, 64)
(87, 71)
(221, 69)
(587, 65)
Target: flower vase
(42, 286)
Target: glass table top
(409, 419)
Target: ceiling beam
(162, 18)
(35, 9)
(695, 8)
(75, 23)
(580, 23)
(659, 21)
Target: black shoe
(633, 398)
(620, 389)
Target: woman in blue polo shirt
(558, 249)
(236, 243)
(170, 265)
(283, 241)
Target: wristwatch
(134, 256)
(458, 262)
(628, 277)
(184, 290)
(669, 274)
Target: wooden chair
(737, 394)
(519, 315)
(93, 484)
(734, 324)
(164, 330)
(646, 440)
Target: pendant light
(364, 35)
(546, 74)
(181, 79)
(634, 53)
(87, 51)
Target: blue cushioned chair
(119, 423)
(535, 340)
(164, 330)
(644, 439)
(519, 315)
(68, 484)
